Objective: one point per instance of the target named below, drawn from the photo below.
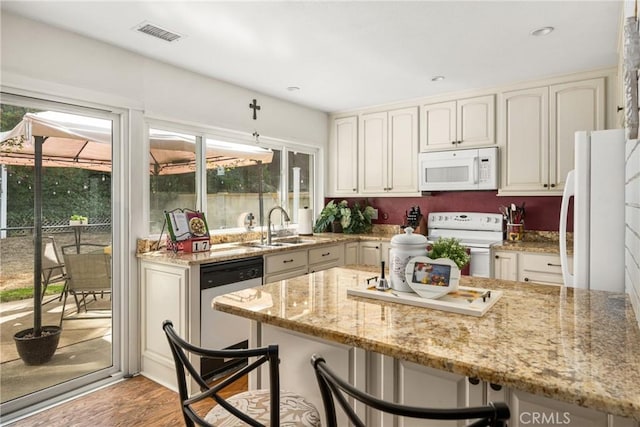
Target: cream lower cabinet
(458, 124)
(505, 265)
(351, 253)
(168, 292)
(388, 153)
(326, 257)
(293, 263)
(285, 265)
(529, 267)
(297, 374)
(537, 133)
(369, 253)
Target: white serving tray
(465, 300)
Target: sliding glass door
(56, 237)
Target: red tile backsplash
(542, 212)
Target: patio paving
(84, 346)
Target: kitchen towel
(305, 221)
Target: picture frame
(432, 278)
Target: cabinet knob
(496, 387)
(453, 142)
(497, 256)
(287, 261)
(474, 381)
(619, 108)
(354, 189)
(545, 185)
(458, 142)
(326, 254)
(526, 279)
(550, 264)
(553, 185)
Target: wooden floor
(133, 402)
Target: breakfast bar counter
(574, 346)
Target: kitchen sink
(282, 242)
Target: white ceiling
(350, 54)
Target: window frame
(238, 137)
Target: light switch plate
(375, 214)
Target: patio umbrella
(53, 139)
(84, 142)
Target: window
(238, 178)
(172, 174)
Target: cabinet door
(402, 151)
(475, 120)
(574, 106)
(419, 385)
(438, 126)
(525, 130)
(528, 409)
(385, 248)
(541, 268)
(351, 253)
(164, 295)
(373, 159)
(297, 375)
(285, 261)
(343, 164)
(505, 265)
(369, 253)
(326, 257)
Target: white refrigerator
(597, 187)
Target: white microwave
(473, 169)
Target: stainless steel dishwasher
(220, 330)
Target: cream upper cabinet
(458, 124)
(574, 106)
(388, 147)
(525, 154)
(538, 128)
(343, 157)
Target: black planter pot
(37, 350)
(336, 227)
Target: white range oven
(476, 231)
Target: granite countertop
(547, 247)
(573, 345)
(236, 250)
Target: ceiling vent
(160, 33)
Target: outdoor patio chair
(53, 270)
(88, 274)
(270, 406)
(493, 414)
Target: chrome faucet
(284, 214)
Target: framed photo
(431, 278)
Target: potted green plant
(357, 219)
(78, 220)
(331, 216)
(450, 248)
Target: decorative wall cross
(255, 107)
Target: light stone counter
(573, 345)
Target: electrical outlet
(375, 214)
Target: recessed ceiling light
(543, 31)
(437, 78)
(293, 88)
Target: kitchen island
(571, 355)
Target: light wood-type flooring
(133, 402)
